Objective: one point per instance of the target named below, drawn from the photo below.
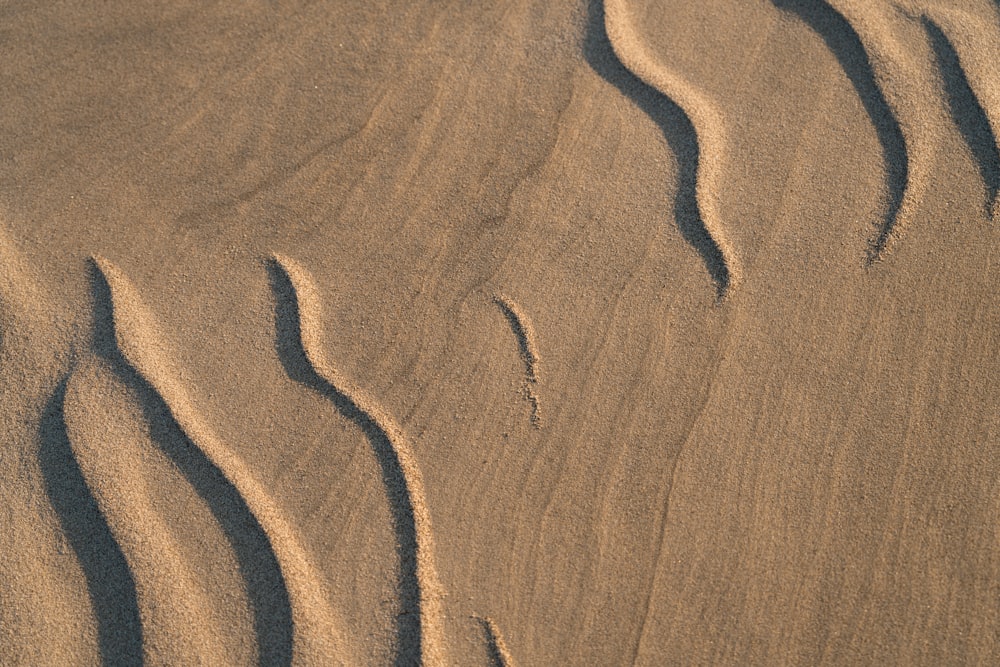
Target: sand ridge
(737, 257)
(179, 622)
(499, 653)
(52, 536)
(420, 589)
(524, 331)
(965, 43)
(908, 79)
(316, 632)
(708, 124)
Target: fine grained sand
(518, 333)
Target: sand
(522, 333)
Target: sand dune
(617, 332)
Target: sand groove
(279, 563)
(498, 651)
(300, 346)
(526, 340)
(709, 129)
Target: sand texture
(583, 332)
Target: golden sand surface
(535, 332)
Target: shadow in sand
(846, 46)
(676, 128)
(293, 358)
(970, 118)
(109, 579)
(265, 584)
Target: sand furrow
(710, 132)
(497, 647)
(300, 346)
(910, 90)
(291, 590)
(526, 340)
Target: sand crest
(588, 332)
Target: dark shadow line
(291, 353)
(529, 354)
(968, 114)
(258, 564)
(110, 582)
(521, 333)
(496, 654)
(677, 129)
(845, 44)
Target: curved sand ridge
(526, 340)
(48, 613)
(910, 89)
(316, 637)
(968, 51)
(900, 91)
(400, 470)
(708, 126)
(178, 623)
(497, 647)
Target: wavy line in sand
(900, 97)
(526, 340)
(910, 91)
(300, 333)
(970, 83)
(315, 632)
(497, 647)
(110, 583)
(709, 129)
(179, 623)
(49, 608)
(845, 44)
